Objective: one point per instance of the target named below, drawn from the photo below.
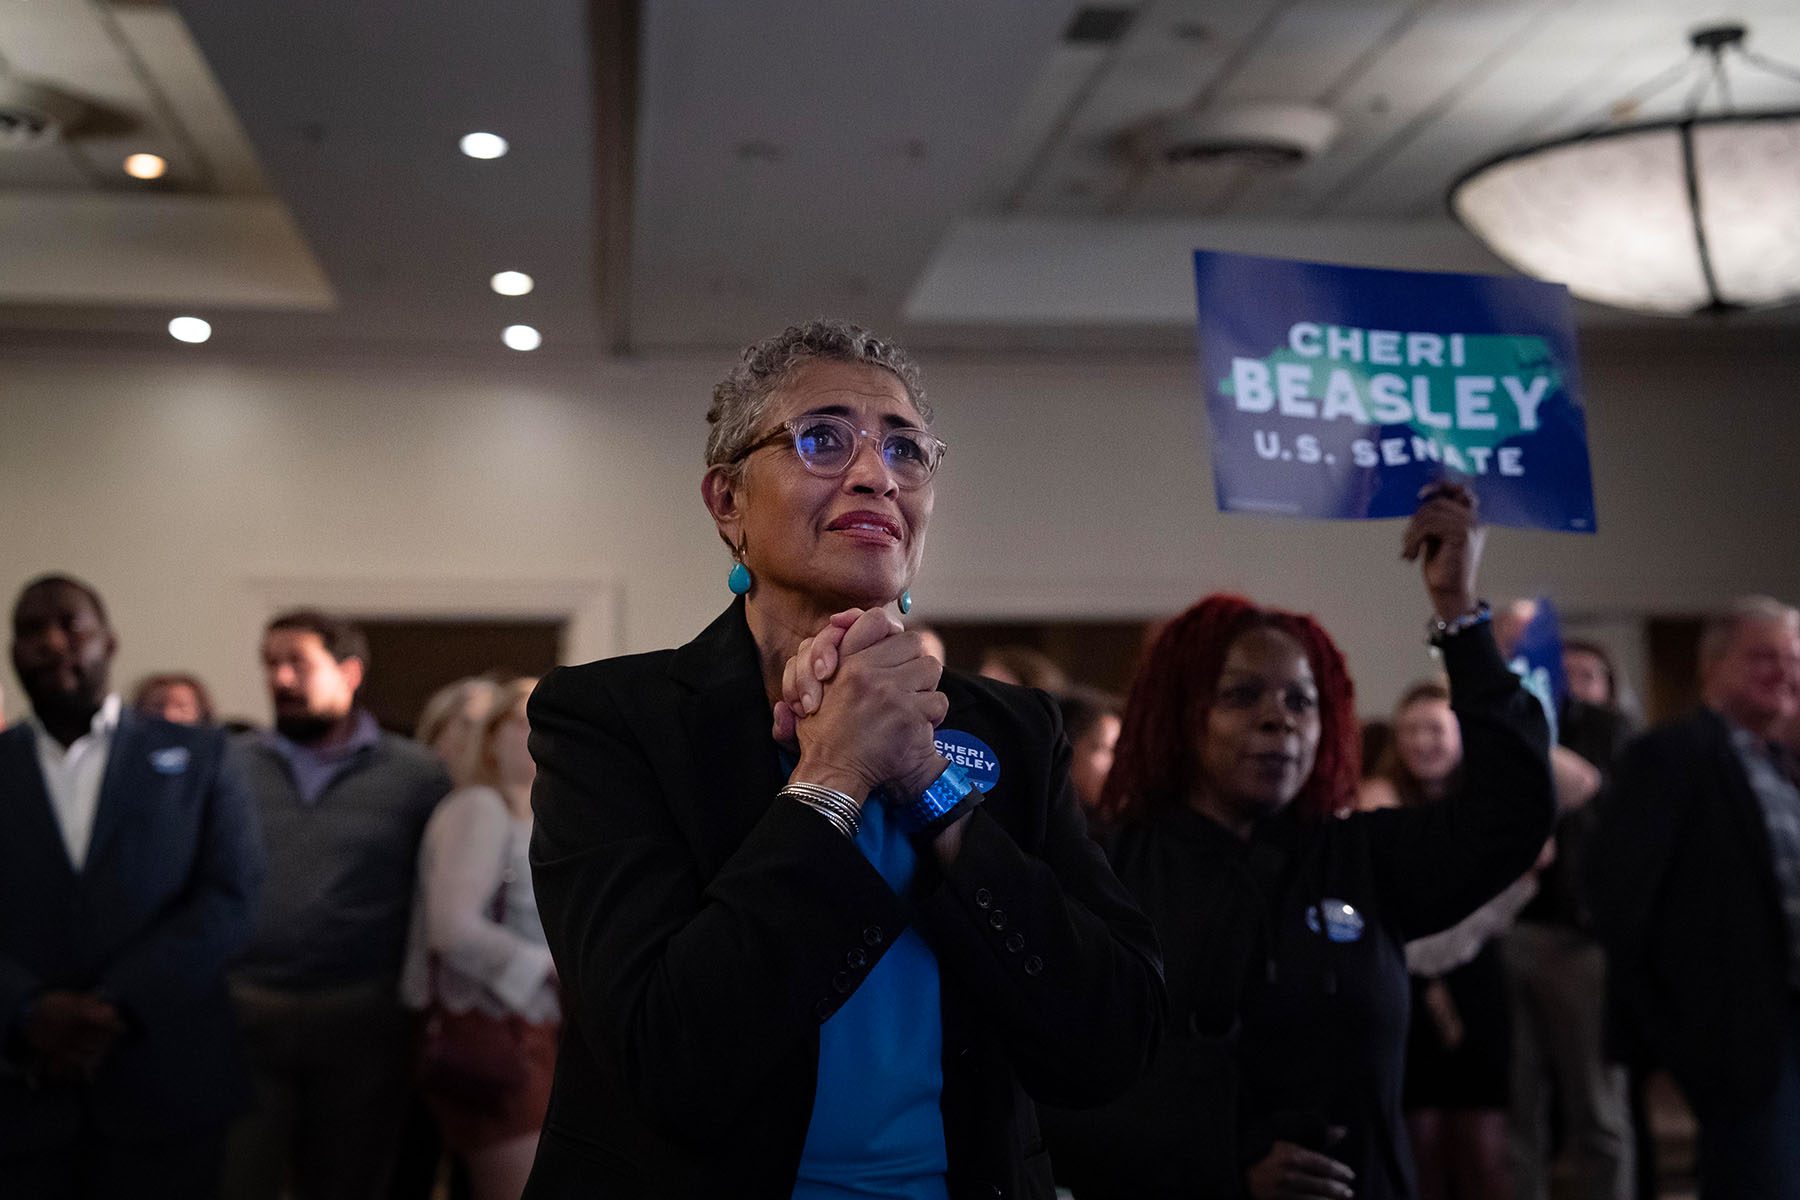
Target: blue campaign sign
(1536, 656)
(1339, 392)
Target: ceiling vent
(1269, 136)
(35, 114)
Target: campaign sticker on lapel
(1342, 922)
(170, 760)
(976, 758)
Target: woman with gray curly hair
(826, 917)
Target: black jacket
(1278, 1029)
(1684, 897)
(703, 933)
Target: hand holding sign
(1445, 538)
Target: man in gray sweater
(343, 808)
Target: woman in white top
(452, 721)
(477, 947)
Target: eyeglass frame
(786, 432)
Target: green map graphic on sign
(1338, 393)
(1468, 391)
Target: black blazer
(703, 933)
(1684, 896)
(164, 899)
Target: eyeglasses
(826, 445)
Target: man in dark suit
(129, 862)
(1694, 874)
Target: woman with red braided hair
(1282, 914)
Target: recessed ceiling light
(483, 145)
(189, 329)
(511, 283)
(522, 337)
(146, 166)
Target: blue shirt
(315, 768)
(877, 1130)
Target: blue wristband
(936, 802)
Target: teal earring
(905, 601)
(739, 580)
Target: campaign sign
(1536, 658)
(1339, 392)
(1538, 650)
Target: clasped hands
(68, 1035)
(859, 701)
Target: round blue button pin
(976, 758)
(1342, 922)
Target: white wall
(200, 494)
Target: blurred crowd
(305, 959)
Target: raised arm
(1437, 864)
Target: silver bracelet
(844, 813)
(839, 820)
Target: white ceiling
(353, 109)
(1070, 231)
(1423, 88)
(148, 88)
(950, 169)
(75, 229)
(356, 108)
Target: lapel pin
(170, 760)
(974, 756)
(1342, 923)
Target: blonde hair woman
(478, 963)
(450, 725)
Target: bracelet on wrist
(843, 813)
(1438, 629)
(949, 797)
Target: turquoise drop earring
(739, 579)
(905, 602)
